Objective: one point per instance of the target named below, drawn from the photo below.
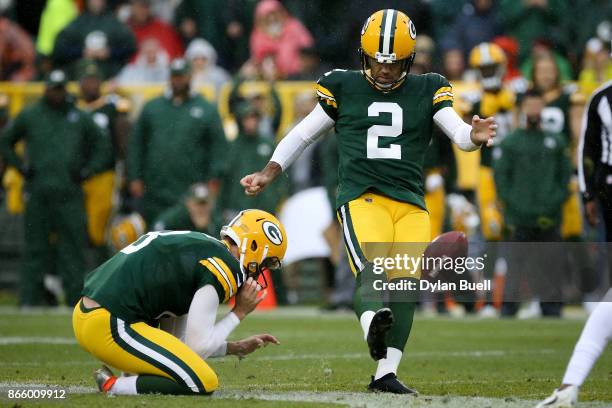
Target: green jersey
(382, 138)
(105, 112)
(158, 275)
(555, 116)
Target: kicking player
(383, 118)
(172, 274)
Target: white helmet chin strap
(242, 254)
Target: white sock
(593, 340)
(124, 386)
(389, 364)
(366, 320)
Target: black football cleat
(377, 333)
(389, 383)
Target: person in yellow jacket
(110, 113)
(495, 100)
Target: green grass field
(323, 361)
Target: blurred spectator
(477, 23)
(556, 113)
(17, 53)
(193, 213)
(453, 65)
(543, 48)
(96, 34)
(258, 149)
(110, 113)
(311, 68)
(269, 107)
(203, 59)
(497, 100)
(63, 147)
(595, 20)
(443, 15)
(423, 60)
(177, 141)
(55, 17)
(596, 66)
(533, 210)
(238, 26)
(205, 19)
(513, 77)
(528, 20)
(151, 66)
(278, 35)
(165, 9)
(145, 26)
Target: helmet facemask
(366, 68)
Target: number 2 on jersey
(393, 151)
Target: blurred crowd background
(122, 117)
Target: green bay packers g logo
(412, 29)
(273, 233)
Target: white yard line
(4, 341)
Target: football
(443, 248)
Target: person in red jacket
(145, 26)
(279, 36)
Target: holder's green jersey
(159, 274)
(382, 138)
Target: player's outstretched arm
(311, 128)
(466, 137)
(246, 346)
(202, 334)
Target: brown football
(452, 245)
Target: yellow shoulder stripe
(223, 274)
(443, 98)
(444, 89)
(324, 92)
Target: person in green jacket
(532, 169)
(194, 213)
(177, 140)
(248, 152)
(528, 20)
(63, 147)
(96, 34)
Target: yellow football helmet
(126, 229)
(489, 60)
(261, 241)
(388, 36)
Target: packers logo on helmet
(388, 36)
(489, 60)
(260, 238)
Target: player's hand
(250, 344)
(483, 131)
(246, 299)
(255, 183)
(590, 208)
